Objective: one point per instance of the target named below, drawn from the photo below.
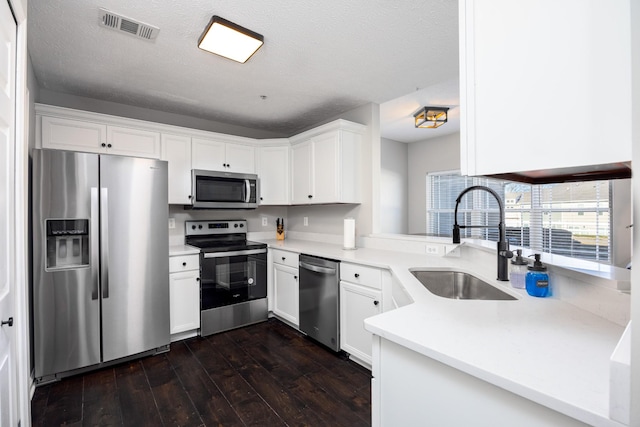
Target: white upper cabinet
(73, 135)
(78, 132)
(209, 154)
(176, 150)
(544, 84)
(325, 164)
(301, 173)
(273, 171)
(133, 142)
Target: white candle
(349, 241)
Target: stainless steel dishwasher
(319, 300)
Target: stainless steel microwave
(224, 190)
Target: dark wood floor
(261, 375)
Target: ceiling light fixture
(431, 117)
(230, 40)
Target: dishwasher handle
(317, 269)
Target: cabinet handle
(184, 264)
(283, 258)
(357, 275)
(197, 279)
(310, 196)
(108, 145)
(376, 302)
(261, 198)
(103, 144)
(189, 196)
(7, 322)
(295, 277)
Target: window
(572, 219)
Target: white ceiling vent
(130, 26)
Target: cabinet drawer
(362, 275)
(183, 263)
(285, 258)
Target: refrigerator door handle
(95, 248)
(104, 241)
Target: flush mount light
(230, 40)
(431, 117)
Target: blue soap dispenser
(537, 280)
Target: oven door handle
(234, 253)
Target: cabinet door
(176, 150)
(184, 293)
(301, 171)
(240, 158)
(207, 154)
(356, 304)
(286, 292)
(274, 175)
(133, 142)
(73, 135)
(517, 58)
(326, 168)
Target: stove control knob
(200, 227)
(241, 225)
(235, 225)
(193, 227)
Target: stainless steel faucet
(503, 245)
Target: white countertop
(175, 250)
(543, 349)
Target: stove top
(219, 236)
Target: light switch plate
(172, 223)
(264, 221)
(306, 221)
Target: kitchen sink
(458, 285)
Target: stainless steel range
(233, 275)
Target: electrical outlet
(172, 223)
(432, 249)
(305, 221)
(264, 221)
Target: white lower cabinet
(285, 290)
(364, 292)
(356, 304)
(184, 294)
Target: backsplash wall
(253, 217)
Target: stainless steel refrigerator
(100, 283)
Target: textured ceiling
(320, 58)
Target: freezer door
(66, 305)
(134, 255)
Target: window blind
(572, 219)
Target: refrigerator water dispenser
(67, 243)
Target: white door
(285, 289)
(207, 154)
(301, 186)
(8, 385)
(326, 168)
(240, 158)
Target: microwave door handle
(247, 191)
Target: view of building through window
(572, 219)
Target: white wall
(394, 207)
(432, 155)
(253, 217)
